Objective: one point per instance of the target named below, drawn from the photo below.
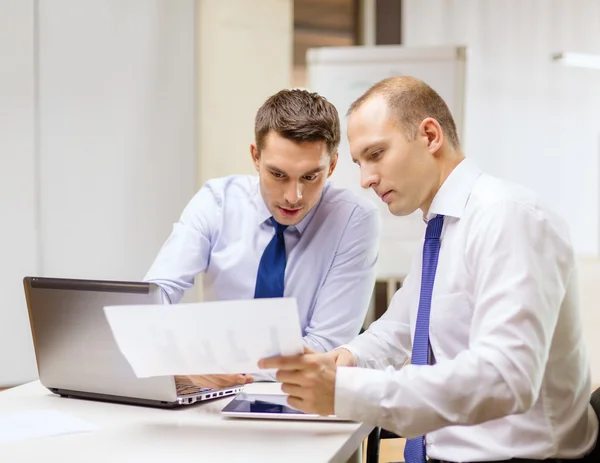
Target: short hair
(299, 116)
(411, 101)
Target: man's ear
(333, 163)
(255, 153)
(431, 130)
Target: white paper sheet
(205, 338)
(32, 424)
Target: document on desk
(31, 424)
(205, 338)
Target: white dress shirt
(331, 255)
(511, 377)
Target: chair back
(594, 455)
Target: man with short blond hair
(488, 316)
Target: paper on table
(32, 424)
(205, 338)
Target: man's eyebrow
(315, 171)
(362, 153)
(310, 172)
(275, 169)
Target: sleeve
(343, 300)
(521, 267)
(186, 252)
(388, 340)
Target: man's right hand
(343, 358)
(217, 381)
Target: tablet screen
(261, 403)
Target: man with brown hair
(286, 232)
(488, 315)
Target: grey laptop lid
(74, 346)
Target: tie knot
(434, 228)
(279, 229)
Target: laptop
(77, 355)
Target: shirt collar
(262, 211)
(263, 214)
(453, 195)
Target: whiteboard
(342, 74)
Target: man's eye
(375, 155)
(310, 178)
(277, 174)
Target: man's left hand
(308, 379)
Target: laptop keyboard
(187, 388)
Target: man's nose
(368, 178)
(293, 192)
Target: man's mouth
(289, 212)
(386, 196)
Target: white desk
(196, 433)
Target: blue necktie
(414, 451)
(271, 270)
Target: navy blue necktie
(271, 270)
(414, 451)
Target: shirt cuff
(354, 353)
(358, 392)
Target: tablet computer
(269, 406)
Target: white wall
(117, 99)
(528, 119)
(244, 56)
(18, 189)
(97, 113)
